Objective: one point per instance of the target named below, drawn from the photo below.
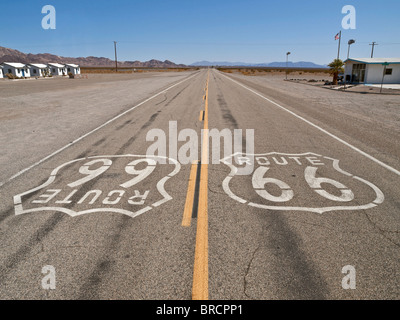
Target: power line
(259, 44)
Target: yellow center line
(200, 270)
(201, 116)
(187, 213)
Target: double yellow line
(200, 270)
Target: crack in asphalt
(381, 231)
(247, 272)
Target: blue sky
(191, 30)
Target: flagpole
(340, 38)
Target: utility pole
(287, 59)
(373, 44)
(115, 49)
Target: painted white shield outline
(335, 162)
(18, 205)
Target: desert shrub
(11, 76)
(248, 72)
(46, 73)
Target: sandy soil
(11, 88)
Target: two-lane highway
(116, 222)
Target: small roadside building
(73, 68)
(57, 69)
(19, 70)
(38, 69)
(370, 70)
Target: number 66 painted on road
(330, 190)
(259, 181)
(106, 163)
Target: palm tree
(336, 67)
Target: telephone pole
(287, 56)
(115, 49)
(373, 44)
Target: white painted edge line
(90, 132)
(382, 164)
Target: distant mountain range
(11, 55)
(300, 64)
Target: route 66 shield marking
(299, 182)
(126, 189)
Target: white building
(73, 68)
(17, 69)
(57, 69)
(1, 72)
(38, 69)
(370, 70)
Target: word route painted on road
(119, 183)
(298, 182)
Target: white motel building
(37, 70)
(57, 69)
(16, 69)
(73, 68)
(370, 70)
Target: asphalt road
(316, 217)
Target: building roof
(15, 64)
(56, 65)
(73, 65)
(375, 60)
(38, 65)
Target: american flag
(337, 36)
